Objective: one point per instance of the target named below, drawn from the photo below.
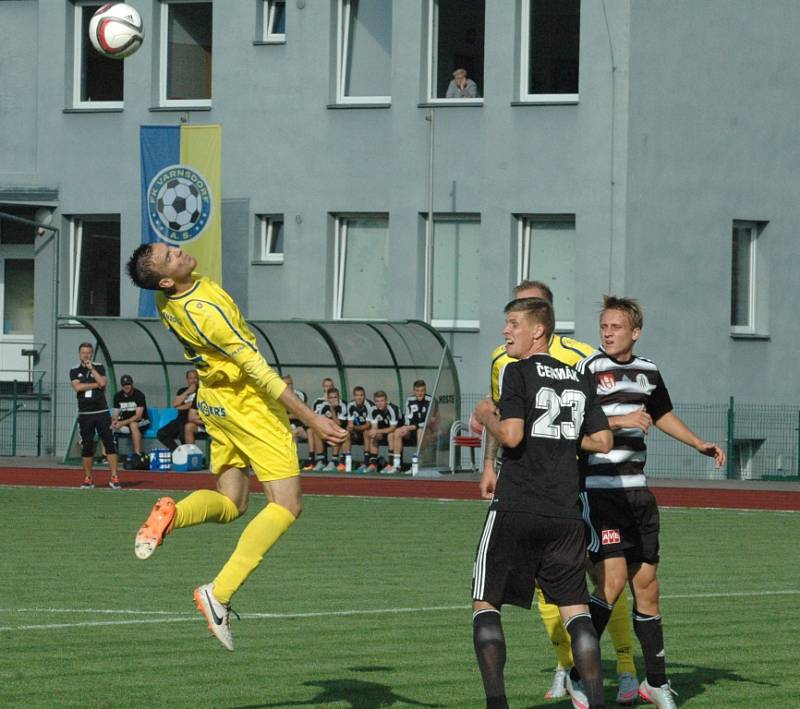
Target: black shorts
(357, 438)
(100, 423)
(519, 550)
(624, 523)
(410, 439)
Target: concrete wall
(685, 122)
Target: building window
(364, 51)
(17, 296)
(273, 21)
(94, 265)
(550, 48)
(748, 278)
(97, 80)
(546, 252)
(17, 233)
(454, 272)
(455, 42)
(186, 53)
(361, 266)
(269, 248)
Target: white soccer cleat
(217, 615)
(558, 688)
(663, 697)
(628, 689)
(577, 694)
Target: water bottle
(348, 463)
(414, 464)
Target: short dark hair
(332, 390)
(629, 306)
(539, 285)
(361, 389)
(140, 268)
(381, 393)
(538, 309)
(86, 344)
(419, 383)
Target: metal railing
(24, 413)
(762, 441)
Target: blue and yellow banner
(181, 193)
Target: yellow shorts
(247, 429)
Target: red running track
(446, 488)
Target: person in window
(130, 413)
(461, 86)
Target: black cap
(126, 379)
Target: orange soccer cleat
(157, 526)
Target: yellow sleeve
(218, 330)
(499, 360)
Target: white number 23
(548, 399)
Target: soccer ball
(179, 204)
(116, 30)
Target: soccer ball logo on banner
(179, 204)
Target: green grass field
(365, 604)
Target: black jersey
(622, 388)
(319, 402)
(558, 406)
(127, 404)
(360, 415)
(338, 413)
(91, 401)
(387, 418)
(417, 410)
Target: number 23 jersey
(558, 406)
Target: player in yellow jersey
(243, 403)
(569, 351)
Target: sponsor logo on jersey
(611, 536)
(643, 382)
(605, 381)
(211, 410)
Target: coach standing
(534, 530)
(89, 382)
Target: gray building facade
(645, 148)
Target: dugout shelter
(376, 355)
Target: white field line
(184, 616)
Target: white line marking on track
(184, 616)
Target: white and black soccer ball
(116, 30)
(179, 204)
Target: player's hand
(488, 481)
(638, 419)
(484, 411)
(712, 450)
(328, 430)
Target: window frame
(340, 221)
(268, 16)
(525, 66)
(163, 24)
(76, 222)
(756, 306)
(266, 239)
(342, 45)
(524, 222)
(13, 253)
(80, 40)
(433, 62)
(430, 232)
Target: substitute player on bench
(570, 352)
(243, 404)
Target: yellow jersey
(564, 349)
(217, 340)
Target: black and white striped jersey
(622, 388)
(360, 415)
(338, 413)
(387, 418)
(417, 410)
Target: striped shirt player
(384, 419)
(622, 511)
(414, 421)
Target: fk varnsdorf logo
(178, 204)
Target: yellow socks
(263, 531)
(562, 643)
(204, 506)
(619, 628)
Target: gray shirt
(469, 91)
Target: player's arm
(322, 425)
(508, 432)
(99, 376)
(670, 424)
(179, 401)
(79, 386)
(598, 442)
